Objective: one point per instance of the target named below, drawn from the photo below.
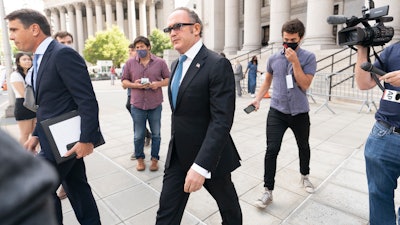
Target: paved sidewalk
(126, 196)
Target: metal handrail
(246, 56)
(333, 63)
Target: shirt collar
(152, 57)
(192, 52)
(41, 49)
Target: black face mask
(290, 45)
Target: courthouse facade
(232, 26)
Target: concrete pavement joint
(320, 185)
(144, 183)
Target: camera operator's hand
(363, 78)
(362, 50)
(392, 78)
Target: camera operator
(382, 149)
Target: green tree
(107, 45)
(159, 41)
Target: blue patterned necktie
(177, 79)
(35, 68)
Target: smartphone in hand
(249, 109)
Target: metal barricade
(342, 86)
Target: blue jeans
(277, 124)
(382, 159)
(140, 117)
(252, 83)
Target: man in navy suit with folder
(201, 151)
(61, 84)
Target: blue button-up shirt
(291, 101)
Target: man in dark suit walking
(61, 84)
(201, 151)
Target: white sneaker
(253, 95)
(265, 199)
(308, 186)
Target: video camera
(376, 35)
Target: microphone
(367, 66)
(340, 19)
(337, 19)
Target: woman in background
(252, 76)
(26, 119)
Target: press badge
(289, 81)
(391, 95)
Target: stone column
(55, 20)
(99, 16)
(109, 19)
(394, 11)
(280, 13)
(152, 15)
(252, 27)
(214, 25)
(120, 15)
(72, 22)
(89, 17)
(143, 18)
(318, 32)
(232, 17)
(79, 28)
(132, 20)
(47, 13)
(63, 20)
(168, 7)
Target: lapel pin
(198, 65)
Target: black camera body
(369, 36)
(376, 35)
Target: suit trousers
(173, 199)
(73, 176)
(277, 124)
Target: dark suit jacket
(26, 186)
(62, 85)
(202, 120)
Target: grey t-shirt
(290, 100)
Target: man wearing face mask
(291, 72)
(145, 75)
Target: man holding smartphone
(249, 109)
(292, 71)
(145, 75)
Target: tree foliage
(159, 41)
(107, 45)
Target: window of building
(265, 35)
(335, 12)
(264, 3)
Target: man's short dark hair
(131, 45)
(63, 34)
(294, 26)
(142, 39)
(29, 17)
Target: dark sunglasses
(176, 27)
